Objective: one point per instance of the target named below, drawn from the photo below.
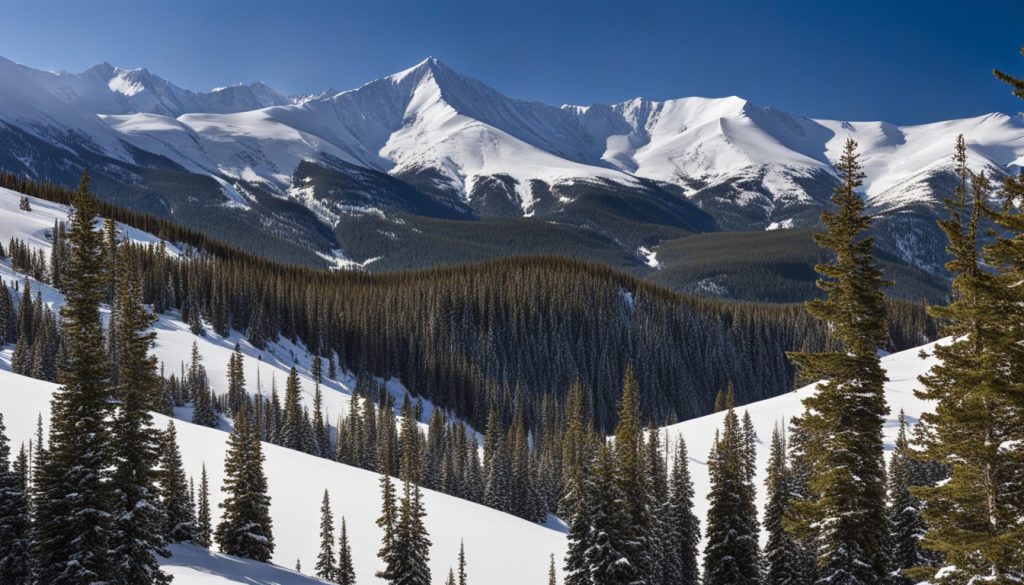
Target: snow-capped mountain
(431, 138)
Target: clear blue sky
(904, 61)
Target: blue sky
(903, 61)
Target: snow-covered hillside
(902, 368)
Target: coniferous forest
(566, 370)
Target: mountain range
(428, 167)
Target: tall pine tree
(844, 417)
(245, 529)
(72, 498)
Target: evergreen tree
(236, 380)
(346, 574)
(636, 546)
(325, 568)
(204, 520)
(388, 522)
(906, 524)
(72, 514)
(552, 575)
(974, 517)
(178, 514)
(844, 418)
(606, 559)
(731, 556)
(245, 529)
(780, 553)
(463, 578)
(137, 521)
(16, 558)
(683, 532)
(293, 429)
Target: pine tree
(388, 522)
(683, 525)
(780, 553)
(552, 575)
(906, 524)
(606, 560)
(451, 578)
(236, 380)
(463, 578)
(245, 529)
(179, 517)
(633, 485)
(731, 556)
(346, 574)
(325, 568)
(974, 516)
(16, 558)
(293, 429)
(72, 514)
(204, 520)
(844, 418)
(137, 518)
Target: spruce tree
(346, 574)
(325, 568)
(204, 520)
(388, 522)
(137, 521)
(463, 578)
(633, 485)
(974, 516)
(178, 514)
(780, 553)
(906, 524)
(844, 417)
(245, 529)
(16, 546)
(683, 525)
(606, 560)
(731, 555)
(552, 575)
(72, 500)
(294, 423)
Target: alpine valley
(428, 167)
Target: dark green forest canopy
(496, 332)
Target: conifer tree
(245, 529)
(606, 560)
(731, 556)
(293, 426)
(236, 380)
(463, 578)
(974, 516)
(683, 525)
(137, 521)
(16, 554)
(178, 514)
(780, 553)
(552, 575)
(72, 518)
(325, 568)
(633, 485)
(388, 522)
(204, 520)
(906, 524)
(844, 418)
(346, 574)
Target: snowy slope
(903, 368)
(500, 548)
